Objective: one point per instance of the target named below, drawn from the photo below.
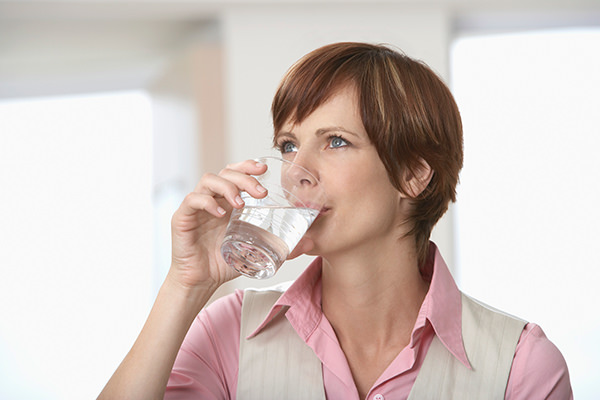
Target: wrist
(192, 296)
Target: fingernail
(259, 164)
(239, 201)
(221, 210)
(260, 189)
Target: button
(378, 396)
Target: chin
(321, 248)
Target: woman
(377, 315)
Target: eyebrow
(323, 131)
(319, 132)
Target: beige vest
(278, 364)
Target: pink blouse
(207, 363)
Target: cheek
(364, 193)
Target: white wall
(528, 203)
(41, 56)
(75, 240)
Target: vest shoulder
(279, 288)
(473, 305)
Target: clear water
(259, 239)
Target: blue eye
(287, 147)
(337, 142)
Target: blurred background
(110, 111)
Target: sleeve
(206, 366)
(539, 370)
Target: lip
(323, 211)
(300, 204)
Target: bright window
(527, 209)
(75, 240)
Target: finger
(233, 179)
(216, 186)
(240, 174)
(249, 167)
(194, 202)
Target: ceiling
(48, 46)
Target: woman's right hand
(198, 226)
(197, 270)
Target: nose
(301, 176)
(302, 183)
(304, 169)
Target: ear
(417, 180)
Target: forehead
(339, 116)
(341, 108)
(300, 96)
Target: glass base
(249, 259)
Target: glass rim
(283, 160)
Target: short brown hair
(406, 109)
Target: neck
(374, 297)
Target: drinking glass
(261, 235)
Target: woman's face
(363, 209)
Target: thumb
(304, 246)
